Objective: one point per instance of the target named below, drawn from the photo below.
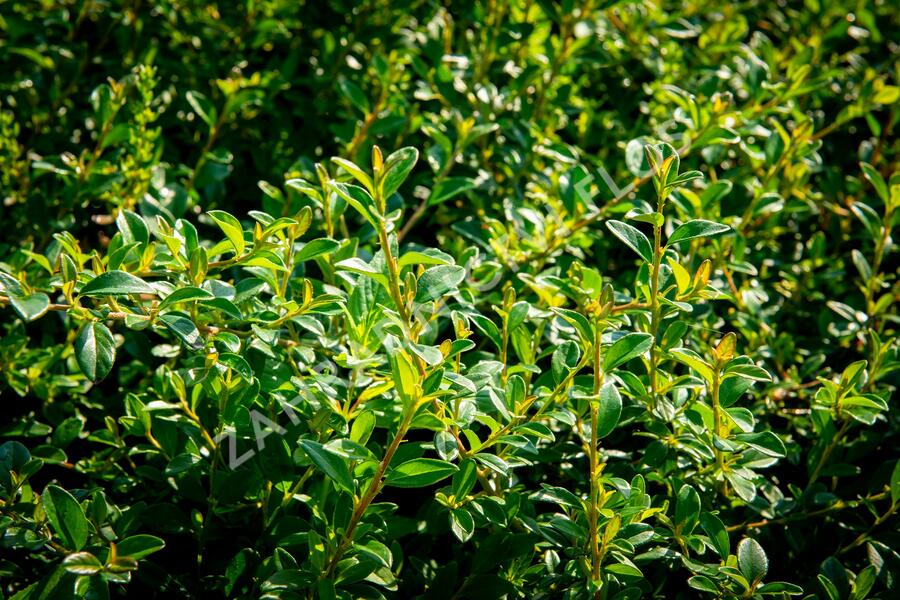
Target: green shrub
(613, 316)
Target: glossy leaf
(331, 463)
(752, 559)
(625, 348)
(419, 472)
(633, 238)
(116, 283)
(695, 229)
(66, 517)
(95, 349)
(232, 229)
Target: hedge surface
(489, 299)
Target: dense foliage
(487, 299)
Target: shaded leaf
(66, 517)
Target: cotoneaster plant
(614, 318)
(302, 380)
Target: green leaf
(301, 186)
(358, 198)
(203, 107)
(747, 371)
(462, 524)
(752, 560)
(515, 391)
(426, 256)
(888, 94)
(743, 487)
(624, 570)
(133, 228)
(66, 517)
(764, 441)
(779, 588)
(139, 546)
(184, 328)
(864, 582)
(564, 359)
(315, 248)
(718, 534)
(67, 432)
(377, 551)
(330, 462)
(609, 409)
(464, 479)
(436, 282)
(877, 181)
(29, 306)
(430, 354)
(488, 328)
(354, 170)
(82, 563)
(236, 363)
(419, 472)
(732, 389)
(830, 589)
(44, 62)
(633, 238)
(187, 294)
(116, 283)
(654, 218)
(405, 376)
(636, 158)
(695, 229)
(852, 374)
(627, 347)
(448, 188)
(358, 265)
(704, 584)
(363, 426)
(578, 321)
(397, 168)
(232, 229)
(869, 218)
(445, 445)
(95, 350)
(684, 178)
(354, 94)
(13, 458)
(687, 509)
(665, 162)
(693, 360)
(265, 259)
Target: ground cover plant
(421, 299)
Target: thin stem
(393, 275)
(210, 140)
(654, 305)
(360, 509)
(289, 495)
(826, 454)
(420, 210)
(717, 419)
(504, 349)
(861, 539)
(594, 457)
(837, 506)
(289, 266)
(880, 245)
